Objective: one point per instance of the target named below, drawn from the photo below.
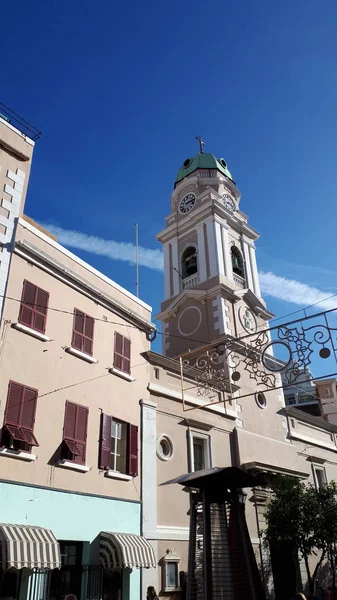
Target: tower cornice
(215, 209)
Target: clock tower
(211, 280)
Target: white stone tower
(211, 279)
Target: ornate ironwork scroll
(217, 367)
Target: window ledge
(172, 589)
(80, 354)
(68, 464)
(19, 454)
(32, 332)
(117, 475)
(121, 374)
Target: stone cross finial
(201, 143)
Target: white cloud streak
(294, 291)
(153, 259)
(281, 288)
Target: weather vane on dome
(201, 144)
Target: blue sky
(120, 90)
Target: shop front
(35, 566)
(71, 544)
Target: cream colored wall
(53, 250)
(60, 376)
(15, 153)
(173, 503)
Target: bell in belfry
(191, 265)
(236, 265)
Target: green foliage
(303, 517)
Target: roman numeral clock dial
(187, 203)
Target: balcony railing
(190, 282)
(8, 115)
(239, 280)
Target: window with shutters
(75, 432)
(83, 332)
(18, 426)
(122, 353)
(118, 446)
(34, 307)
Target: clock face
(187, 203)
(229, 202)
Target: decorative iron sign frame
(217, 368)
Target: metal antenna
(137, 266)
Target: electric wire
(172, 335)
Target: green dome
(203, 161)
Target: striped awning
(23, 546)
(120, 550)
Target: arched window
(189, 262)
(237, 262)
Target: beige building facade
(212, 295)
(71, 383)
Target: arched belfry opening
(237, 262)
(189, 262)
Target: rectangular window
(118, 446)
(122, 353)
(83, 332)
(290, 399)
(34, 307)
(75, 432)
(19, 417)
(320, 478)
(200, 451)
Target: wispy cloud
(294, 291)
(281, 288)
(153, 259)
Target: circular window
(187, 163)
(164, 447)
(223, 163)
(261, 399)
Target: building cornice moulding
(26, 225)
(307, 418)
(215, 210)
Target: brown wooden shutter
(70, 415)
(81, 433)
(132, 463)
(88, 334)
(27, 304)
(13, 406)
(41, 308)
(118, 351)
(27, 419)
(105, 442)
(28, 409)
(20, 413)
(126, 355)
(78, 329)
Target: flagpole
(137, 268)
